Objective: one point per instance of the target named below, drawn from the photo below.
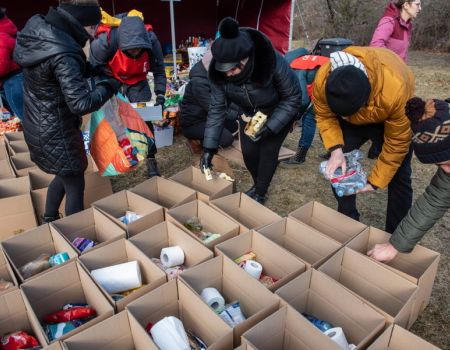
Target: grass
(292, 188)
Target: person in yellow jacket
(359, 96)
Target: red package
(70, 314)
(18, 340)
(149, 327)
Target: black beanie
(232, 46)
(430, 123)
(87, 15)
(347, 89)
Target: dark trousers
(261, 158)
(197, 132)
(400, 193)
(70, 186)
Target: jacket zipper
(249, 99)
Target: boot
(296, 160)
(48, 219)
(251, 192)
(260, 199)
(152, 168)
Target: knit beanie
(430, 123)
(2, 12)
(232, 46)
(87, 13)
(347, 90)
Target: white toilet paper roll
(169, 334)
(172, 256)
(253, 268)
(337, 335)
(213, 298)
(119, 278)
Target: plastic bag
(34, 267)
(70, 313)
(19, 340)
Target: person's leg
(55, 195)
(74, 188)
(250, 151)
(231, 125)
(226, 138)
(14, 94)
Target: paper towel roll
(337, 335)
(172, 256)
(213, 298)
(119, 278)
(169, 334)
(253, 268)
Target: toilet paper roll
(119, 278)
(253, 268)
(337, 335)
(172, 256)
(213, 298)
(169, 334)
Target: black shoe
(296, 160)
(48, 219)
(152, 168)
(251, 192)
(260, 199)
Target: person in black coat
(57, 95)
(246, 70)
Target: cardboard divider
(207, 190)
(26, 247)
(91, 224)
(96, 187)
(181, 302)
(246, 211)
(316, 294)
(120, 252)
(115, 206)
(420, 266)
(17, 147)
(233, 284)
(22, 164)
(397, 338)
(389, 293)
(3, 151)
(6, 172)
(211, 219)
(166, 234)
(13, 136)
(51, 291)
(275, 260)
(331, 223)
(311, 246)
(166, 193)
(7, 274)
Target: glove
(160, 100)
(262, 133)
(206, 159)
(113, 85)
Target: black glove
(113, 85)
(160, 100)
(206, 159)
(262, 133)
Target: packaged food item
(36, 266)
(83, 244)
(321, 324)
(194, 224)
(242, 259)
(58, 259)
(195, 342)
(129, 217)
(19, 340)
(171, 272)
(232, 314)
(70, 312)
(268, 281)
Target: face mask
(91, 30)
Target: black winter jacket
(56, 94)
(272, 89)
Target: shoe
(195, 146)
(325, 155)
(152, 168)
(296, 160)
(48, 219)
(251, 192)
(260, 199)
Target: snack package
(194, 224)
(34, 267)
(83, 244)
(242, 259)
(70, 313)
(232, 314)
(19, 340)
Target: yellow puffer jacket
(392, 84)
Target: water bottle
(321, 324)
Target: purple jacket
(392, 32)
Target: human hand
(383, 252)
(206, 159)
(337, 160)
(367, 188)
(262, 133)
(111, 84)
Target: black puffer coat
(272, 89)
(56, 95)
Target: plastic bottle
(321, 324)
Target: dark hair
(399, 3)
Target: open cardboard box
(183, 303)
(16, 207)
(166, 193)
(26, 247)
(166, 234)
(22, 164)
(419, 266)
(246, 211)
(96, 187)
(311, 246)
(14, 136)
(115, 206)
(233, 284)
(316, 294)
(3, 151)
(17, 147)
(91, 224)
(211, 219)
(397, 338)
(335, 225)
(120, 332)
(6, 171)
(120, 252)
(207, 190)
(6, 274)
(275, 260)
(386, 291)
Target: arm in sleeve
(102, 49)
(202, 92)
(382, 32)
(157, 66)
(216, 117)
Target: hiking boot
(251, 192)
(152, 168)
(260, 199)
(48, 219)
(296, 160)
(195, 146)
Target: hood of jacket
(394, 12)
(133, 34)
(8, 27)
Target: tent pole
(174, 43)
(291, 25)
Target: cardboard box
(91, 224)
(387, 292)
(163, 136)
(246, 211)
(183, 303)
(120, 252)
(22, 164)
(17, 147)
(335, 225)
(211, 219)
(207, 190)
(3, 151)
(397, 338)
(120, 332)
(12, 137)
(26, 247)
(233, 284)
(16, 207)
(96, 187)
(419, 266)
(311, 246)
(166, 234)
(148, 111)
(51, 291)
(6, 274)
(6, 171)
(166, 193)
(275, 260)
(316, 294)
(115, 206)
